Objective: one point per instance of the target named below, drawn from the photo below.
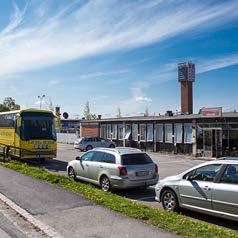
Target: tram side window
(7, 121)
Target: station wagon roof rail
(120, 150)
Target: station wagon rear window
(134, 159)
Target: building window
(135, 132)
(178, 133)
(159, 132)
(142, 132)
(168, 133)
(150, 134)
(109, 136)
(127, 132)
(188, 133)
(120, 131)
(104, 131)
(114, 131)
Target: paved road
(168, 165)
(70, 214)
(13, 225)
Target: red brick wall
(187, 97)
(89, 130)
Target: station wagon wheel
(112, 146)
(71, 173)
(105, 184)
(89, 147)
(169, 200)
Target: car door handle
(101, 166)
(206, 188)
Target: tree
(87, 113)
(118, 112)
(146, 112)
(9, 105)
(3, 108)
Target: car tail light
(122, 170)
(156, 168)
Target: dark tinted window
(87, 156)
(109, 158)
(38, 128)
(138, 158)
(7, 120)
(207, 173)
(230, 175)
(98, 156)
(88, 139)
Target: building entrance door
(217, 143)
(212, 142)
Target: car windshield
(38, 128)
(137, 158)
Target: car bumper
(123, 183)
(79, 147)
(158, 189)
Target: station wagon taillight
(156, 168)
(122, 170)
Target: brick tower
(186, 76)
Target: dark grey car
(211, 188)
(115, 168)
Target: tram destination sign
(211, 112)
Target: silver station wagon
(114, 168)
(210, 188)
(88, 143)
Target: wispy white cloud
(103, 74)
(143, 99)
(84, 28)
(15, 19)
(54, 82)
(219, 62)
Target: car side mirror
(191, 177)
(78, 158)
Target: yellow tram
(28, 133)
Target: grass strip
(169, 221)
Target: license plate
(142, 173)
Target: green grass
(169, 221)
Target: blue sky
(118, 53)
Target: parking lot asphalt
(167, 165)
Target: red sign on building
(211, 112)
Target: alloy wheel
(169, 201)
(105, 184)
(71, 173)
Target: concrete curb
(49, 231)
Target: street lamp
(41, 99)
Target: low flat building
(210, 133)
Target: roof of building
(162, 118)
